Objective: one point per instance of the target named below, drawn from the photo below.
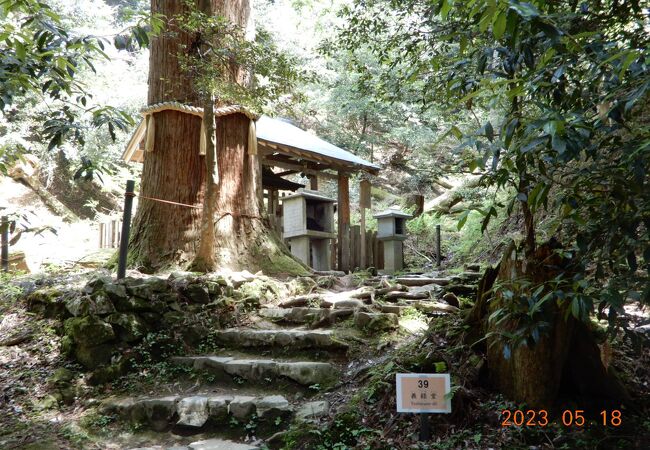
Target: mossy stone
(128, 327)
(48, 302)
(95, 356)
(89, 331)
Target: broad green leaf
(499, 26)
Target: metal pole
(438, 258)
(425, 428)
(126, 228)
(5, 243)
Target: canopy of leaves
(42, 60)
(565, 87)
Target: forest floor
(36, 412)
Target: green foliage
(237, 70)
(43, 61)
(565, 88)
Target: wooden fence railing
(374, 255)
(110, 233)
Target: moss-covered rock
(128, 327)
(115, 291)
(94, 356)
(86, 305)
(88, 331)
(376, 322)
(196, 293)
(146, 287)
(48, 302)
(137, 304)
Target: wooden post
(355, 246)
(344, 222)
(364, 202)
(438, 257)
(126, 228)
(4, 253)
(313, 182)
(425, 428)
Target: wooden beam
(287, 172)
(313, 182)
(344, 222)
(295, 166)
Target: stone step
(199, 410)
(422, 281)
(207, 444)
(294, 315)
(305, 373)
(202, 411)
(285, 338)
(314, 317)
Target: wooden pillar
(344, 222)
(313, 182)
(364, 202)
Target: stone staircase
(260, 381)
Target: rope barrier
(169, 202)
(193, 206)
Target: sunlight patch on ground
(413, 325)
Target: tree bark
(243, 237)
(205, 257)
(536, 374)
(166, 235)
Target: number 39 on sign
(423, 392)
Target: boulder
(97, 283)
(242, 407)
(435, 307)
(196, 293)
(128, 327)
(158, 412)
(350, 303)
(88, 331)
(308, 373)
(92, 357)
(146, 287)
(115, 291)
(272, 407)
(137, 304)
(192, 411)
(87, 306)
(220, 444)
(376, 322)
(451, 299)
(218, 407)
(48, 302)
(313, 410)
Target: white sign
(423, 392)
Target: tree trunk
(535, 374)
(243, 237)
(205, 257)
(166, 235)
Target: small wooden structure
(391, 230)
(284, 149)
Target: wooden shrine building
(286, 150)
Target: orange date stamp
(569, 418)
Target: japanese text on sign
(423, 392)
